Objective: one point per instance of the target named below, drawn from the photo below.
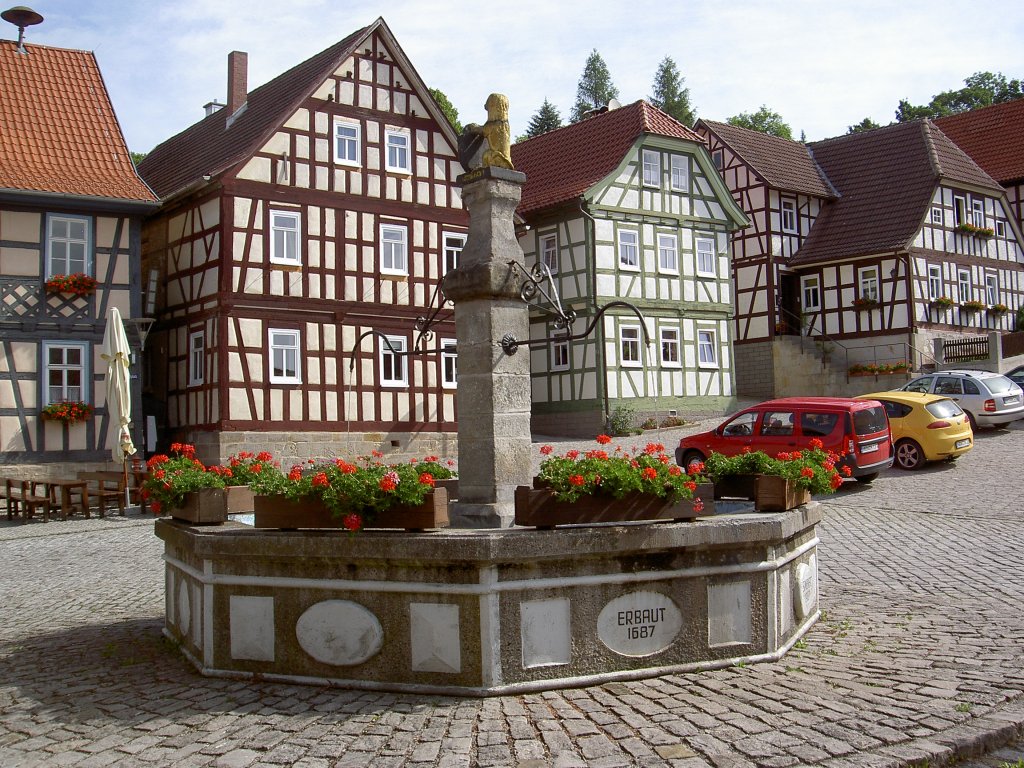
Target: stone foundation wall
(754, 370)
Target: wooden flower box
(280, 512)
(213, 505)
(538, 507)
(770, 493)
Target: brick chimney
(238, 75)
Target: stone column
(493, 387)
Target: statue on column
(495, 132)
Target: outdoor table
(67, 488)
(135, 480)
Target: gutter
(77, 202)
(589, 240)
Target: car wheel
(692, 457)
(909, 455)
(974, 422)
(866, 479)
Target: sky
(823, 66)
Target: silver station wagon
(990, 399)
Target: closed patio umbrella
(117, 355)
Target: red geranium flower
(603, 439)
(576, 479)
(649, 473)
(546, 449)
(352, 522)
(427, 479)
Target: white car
(990, 399)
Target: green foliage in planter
(942, 302)
(69, 411)
(621, 421)
(969, 229)
(812, 468)
(972, 306)
(171, 478)
(998, 309)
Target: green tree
(595, 88)
(544, 119)
(137, 157)
(981, 89)
(669, 94)
(765, 121)
(446, 107)
(867, 124)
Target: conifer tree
(669, 95)
(595, 88)
(544, 119)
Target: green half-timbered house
(627, 206)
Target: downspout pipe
(590, 241)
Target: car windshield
(998, 385)
(944, 409)
(869, 420)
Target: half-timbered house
(301, 225)
(71, 204)
(873, 244)
(627, 206)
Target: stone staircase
(802, 370)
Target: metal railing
(820, 342)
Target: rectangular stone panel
(545, 627)
(252, 628)
(729, 621)
(434, 637)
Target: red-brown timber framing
(224, 180)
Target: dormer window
(652, 168)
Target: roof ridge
(929, 143)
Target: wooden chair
(104, 487)
(22, 501)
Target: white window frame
(787, 216)
(393, 369)
(668, 253)
(1000, 229)
(867, 283)
(669, 346)
(959, 210)
(196, 358)
(280, 235)
(71, 265)
(978, 212)
(549, 251)
(651, 161)
(629, 252)
(347, 149)
(705, 258)
(937, 215)
(449, 364)
(82, 369)
(810, 288)
(451, 252)
(560, 355)
(399, 140)
(629, 346)
(284, 341)
(934, 281)
(707, 348)
(991, 288)
(718, 159)
(394, 249)
(964, 285)
(680, 173)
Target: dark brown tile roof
(211, 146)
(993, 137)
(886, 179)
(563, 164)
(58, 130)
(783, 164)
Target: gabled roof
(58, 130)
(783, 164)
(563, 164)
(993, 137)
(886, 179)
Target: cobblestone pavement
(917, 660)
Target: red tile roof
(885, 179)
(993, 137)
(58, 130)
(783, 164)
(563, 164)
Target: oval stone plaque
(806, 587)
(184, 607)
(339, 632)
(639, 623)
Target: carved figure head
(497, 107)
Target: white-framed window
(963, 279)
(394, 249)
(718, 158)
(680, 165)
(560, 355)
(867, 283)
(668, 254)
(937, 215)
(397, 147)
(1001, 229)
(652, 168)
(705, 247)
(707, 349)
(629, 345)
(991, 288)
(959, 210)
(978, 212)
(669, 344)
(453, 245)
(346, 142)
(65, 367)
(810, 289)
(629, 249)
(284, 356)
(196, 358)
(934, 281)
(549, 251)
(67, 245)
(393, 371)
(788, 215)
(284, 237)
(449, 364)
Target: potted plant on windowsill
(972, 306)
(865, 302)
(77, 284)
(942, 302)
(998, 309)
(68, 412)
(966, 228)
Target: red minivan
(858, 430)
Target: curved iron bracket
(510, 344)
(533, 286)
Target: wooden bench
(105, 486)
(22, 501)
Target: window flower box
(998, 309)
(77, 284)
(865, 302)
(68, 412)
(972, 306)
(969, 229)
(942, 302)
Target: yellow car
(924, 427)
